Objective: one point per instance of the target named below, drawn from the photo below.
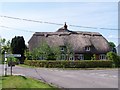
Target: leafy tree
(35, 54)
(93, 57)
(112, 46)
(18, 47)
(69, 50)
(114, 57)
(56, 52)
(13, 59)
(28, 54)
(44, 52)
(4, 45)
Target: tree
(44, 52)
(28, 54)
(112, 46)
(56, 52)
(4, 45)
(49, 52)
(114, 57)
(93, 57)
(18, 47)
(69, 50)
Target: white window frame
(87, 48)
(81, 56)
(102, 57)
(62, 48)
(71, 58)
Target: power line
(87, 27)
(17, 29)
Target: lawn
(20, 82)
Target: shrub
(114, 57)
(70, 64)
(13, 59)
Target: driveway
(72, 78)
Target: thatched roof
(77, 39)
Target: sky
(89, 14)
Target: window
(63, 57)
(87, 48)
(62, 48)
(81, 57)
(71, 58)
(102, 57)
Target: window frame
(102, 57)
(81, 56)
(87, 48)
(63, 57)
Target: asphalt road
(72, 78)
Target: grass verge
(21, 82)
(27, 66)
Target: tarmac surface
(70, 78)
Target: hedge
(70, 64)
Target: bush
(12, 61)
(70, 64)
(114, 57)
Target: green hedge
(70, 64)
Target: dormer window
(87, 48)
(62, 48)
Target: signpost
(6, 64)
(11, 62)
(13, 55)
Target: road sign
(13, 55)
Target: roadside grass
(27, 66)
(21, 82)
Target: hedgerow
(70, 64)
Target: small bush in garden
(70, 64)
(114, 57)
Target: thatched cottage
(84, 44)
